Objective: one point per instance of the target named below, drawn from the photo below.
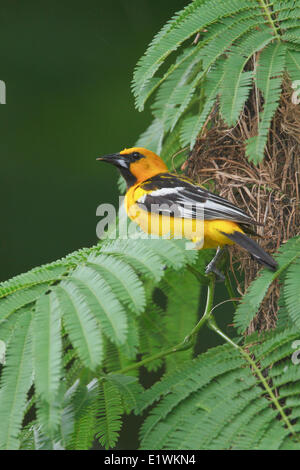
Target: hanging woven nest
(269, 192)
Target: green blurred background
(67, 66)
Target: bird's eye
(135, 154)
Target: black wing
(168, 194)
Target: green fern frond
(151, 139)
(285, 10)
(283, 318)
(73, 370)
(84, 430)
(291, 291)
(192, 125)
(109, 414)
(36, 276)
(172, 152)
(101, 301)
(199, 18)
(49, 414)
(15, 382)
(47, 347)
(268, 78)
(293, 64)
(228, 32)
(20, 298)
(116, 358)
(212, 364)
(67, 425)
(37, 439)
(293, 36)
(149, 85)
(122, 279)
(176, 90)
(9, 326)
(224, 406)
(182, 384)
(27, 438)
(81, 326)
(138, 256)
(84, 403)
(150, 257)
(131, 347)
(258, 289)
(231, 32)
(129, 389)
(47, 358)
(236, 82)
(174, 253)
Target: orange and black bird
(167, 204)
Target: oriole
(164, 203)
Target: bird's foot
(211, 268)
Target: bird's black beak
(115, 159)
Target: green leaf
(101, 302)
(139, 255)
(291, 291)
(109, 415)
(36, 276)
(129, 389)
(167, 42)
(269, 77)
(193, 124)
(122, 279)
(176, 91)
(236, 82)
(84, 403)
(293, 65)
(218, 401)
(152, 137)
(81, 326)
(11, 303)
(259, 287)
(47, 350)
(15, 383)
(47, 346)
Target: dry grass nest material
(268, 192)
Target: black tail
(254, 249)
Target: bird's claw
(211, 268)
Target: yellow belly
(206, 233)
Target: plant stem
(145, 361)
(265, 6)
(212, 324)
(208, 308)
(188, 340)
